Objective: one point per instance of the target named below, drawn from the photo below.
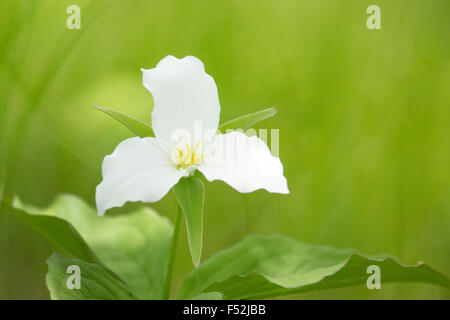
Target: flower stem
(173, 249)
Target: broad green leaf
(209, 296)
(136, 126)
(58, 231)
(190, 195)
(247, 121)
(270, 266)
(95, 282)
(134, 245)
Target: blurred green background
(363, 118)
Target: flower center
(184, 156)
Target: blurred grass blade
(247, 121)
(190, 195)
(136, 126)
(95, 282)
(271, 266)
(2, 186)
(2, 179)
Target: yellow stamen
(193, 153)
(198, 160)
(187, 157)
(188, 154)
(179, 151)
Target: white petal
(137, 170)
(184, 96)
(245, 163)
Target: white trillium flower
(185, 119)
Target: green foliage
(95, 282)
(247, 121)
(135, 246)
(57, 230)
(272, 266)
(209, 296)
(190, 195)
(138, 127)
